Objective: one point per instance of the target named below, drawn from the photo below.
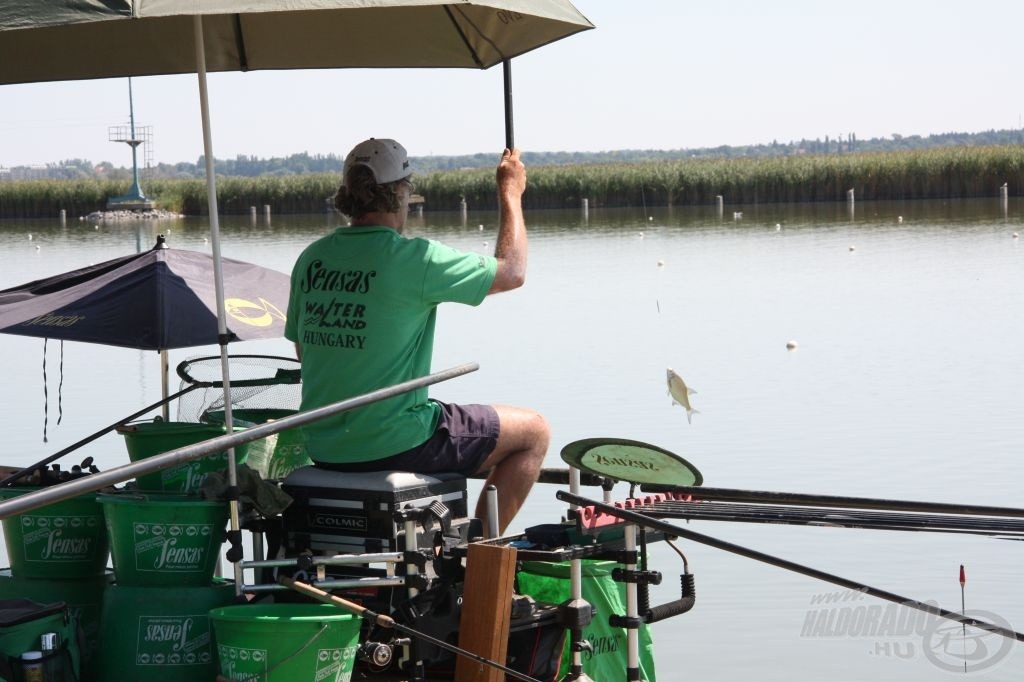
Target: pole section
(510, 138)
(218, 282)
(669, 529)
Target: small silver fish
(680, 393)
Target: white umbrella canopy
(53, 40)
(48, 40)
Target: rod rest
(677, 607)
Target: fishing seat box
(340, 512)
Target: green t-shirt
(362, 309)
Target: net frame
(257, 382)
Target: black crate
(353, 513)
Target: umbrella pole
(165, 409)
(510, 137)
(218, 277)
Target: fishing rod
(18, 475)
(389, 623)
(759, 496)
(183, 369)
(669, 529)
(187, 453)
(1001, 527)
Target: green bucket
(84, 598)
(286, 642)
(165, 635)
(163, 540)
(61, 540)
(145, 439)
(273, 454)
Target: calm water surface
(907, 383)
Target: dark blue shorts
(465, 435)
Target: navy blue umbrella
(156, 300)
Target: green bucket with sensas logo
(146, 439)
(154, 634)
(275, 456)
(164, 540)
(286, 642)
(66, 539)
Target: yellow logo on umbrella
(259, 314)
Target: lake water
(907, 383)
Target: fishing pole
(757, 496)
(669, 529)
(834, 517)
(388, 622)
(183, 370)
(17, 475)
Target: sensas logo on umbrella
(261, 313)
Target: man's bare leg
(515, 463)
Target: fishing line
(668, 342)
(60, 386)
(46, 395)
(654, 258)
(963, 609)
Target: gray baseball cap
(386, 158)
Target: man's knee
(536, 435)
(516, 422)
(539, 426)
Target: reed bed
(953, 172)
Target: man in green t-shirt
(362, 310)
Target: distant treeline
(929, 174)
(305, 164)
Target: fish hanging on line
(680, 393)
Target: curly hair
(360, 194)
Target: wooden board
(486, 610)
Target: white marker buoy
(791, 345)
(852, 247)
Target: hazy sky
(653, 74)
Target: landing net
(258, 382)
